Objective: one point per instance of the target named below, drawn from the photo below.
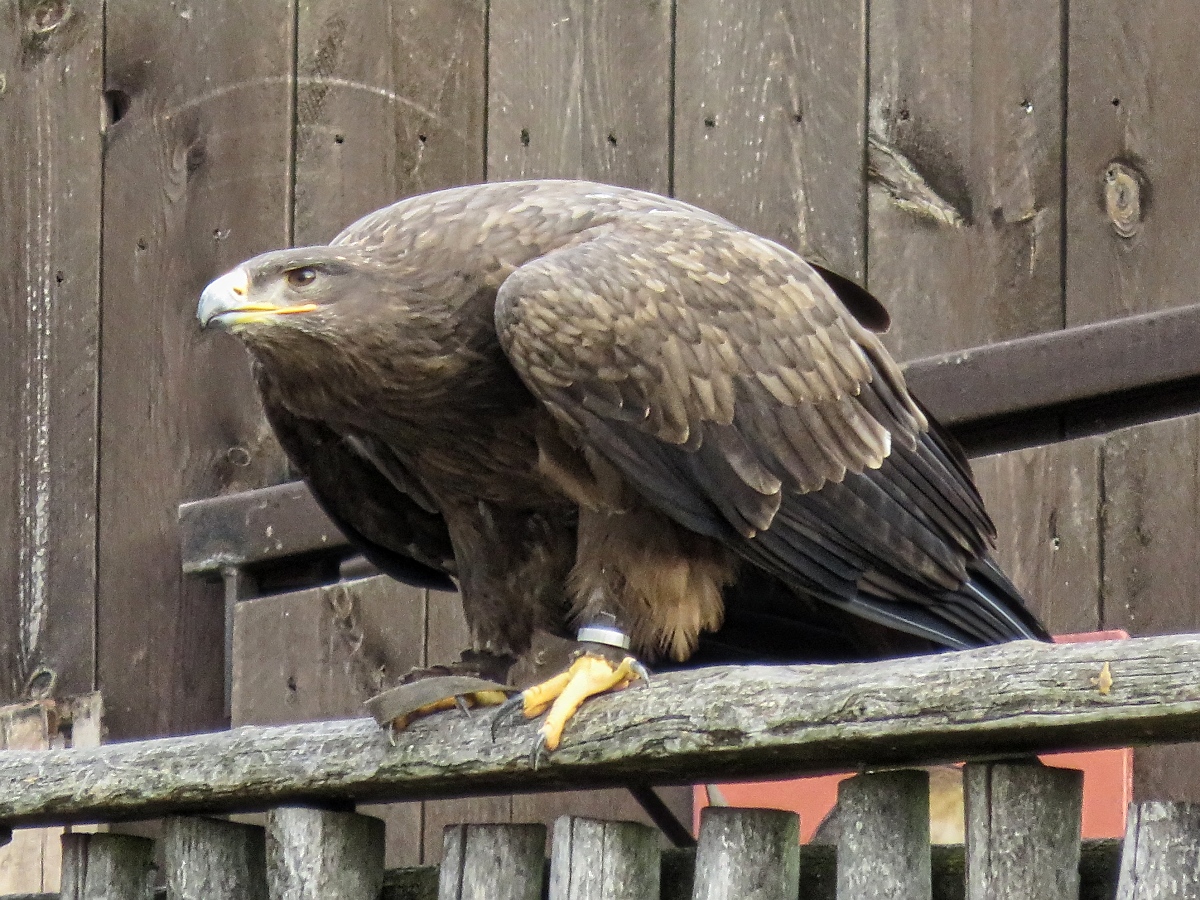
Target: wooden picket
(1021, 844)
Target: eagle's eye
(301, 277)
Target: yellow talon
(588, 676)
(478, 698)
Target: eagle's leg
(602, 666)
(563, 694)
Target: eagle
(617, 418)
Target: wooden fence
(995, 706)
(1009, 178)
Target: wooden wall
(990, 169)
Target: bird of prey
(610, 415)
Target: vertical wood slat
(493, 862)
(1149, 531)
(1131, 85)
(883, 845)
(316, 854)
(580, 89)
(969, 94)
(51, 64)
(211, 859)
(770, 120)
(1023, 824)
(602, 860)
(107, 867)
(747, 853)
(197, 177)
(1046, 502)
(390, 102)
(1161, 856)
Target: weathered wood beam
(685, 727)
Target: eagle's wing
(723, 377)
(361, 488)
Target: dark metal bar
(1059, 368)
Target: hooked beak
(225, 304)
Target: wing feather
(392, 527)
(729, 384)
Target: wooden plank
(1023, 822)
(580, 89)
(205, 859)
(770, 121)
(1133, 146)
(254, 526)
(1162, 852)
(51, 64)
(197, 178)
(492, 862)
(316, 854)
(593, 859)
(414, 883)
(616, 804)
(969, 96)
(1151, 500)
(724, 723)
(747, 852)
(883, 848)
(390, 102)
(107, 867)
(319, 654)
(1046, 503)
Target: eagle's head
(305, 288)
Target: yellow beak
(223, 304)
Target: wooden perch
(706, 724)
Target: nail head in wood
(747, 853)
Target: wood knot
(1123, 198)
(47, 17)
(41, 684)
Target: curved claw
(539, 750)
(640, 671)
(507, 710)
